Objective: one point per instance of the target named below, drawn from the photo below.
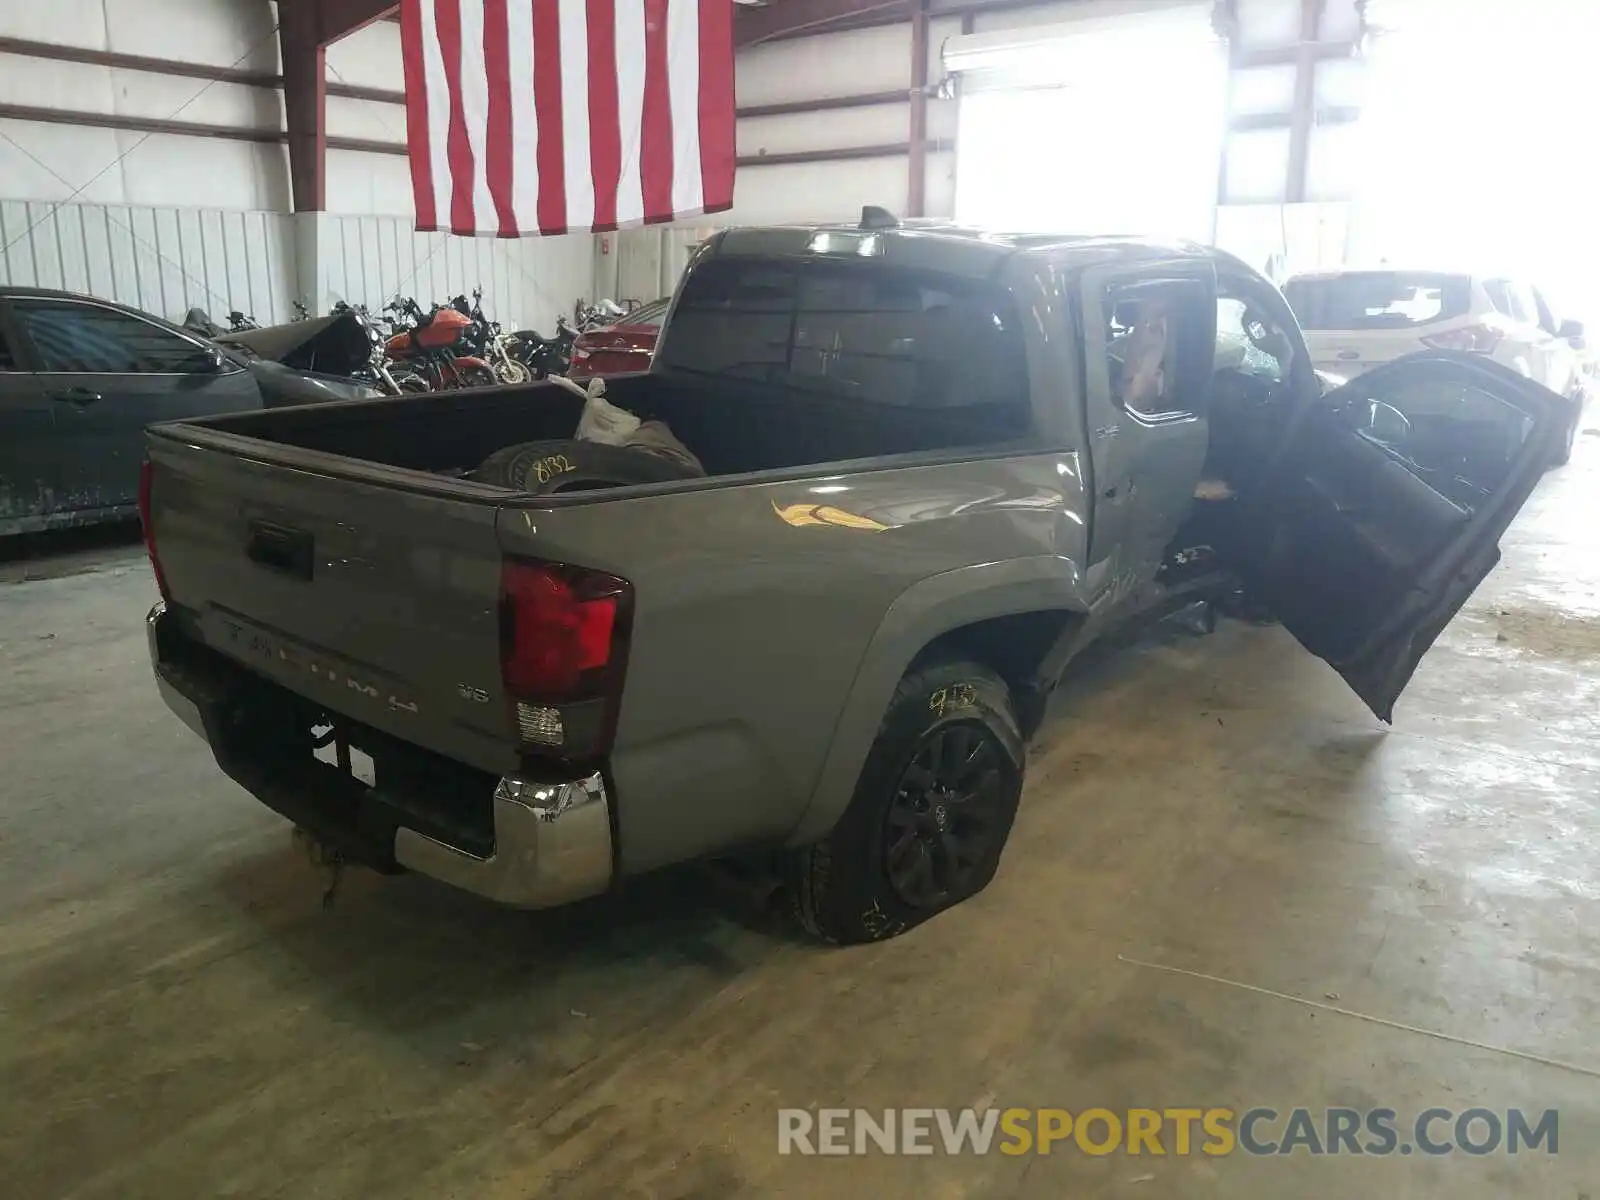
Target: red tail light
(563, 631)
(1477, 339)
(146, 482)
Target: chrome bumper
(185, 709)
(552, 841)
(552, 844)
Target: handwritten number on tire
(548, 468)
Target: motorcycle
(486, 341)
(544, 356)
(344, 345)
(197, 320)
(427, 353)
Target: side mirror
(1570, 329)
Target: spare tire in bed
(567, 465)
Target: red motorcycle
(427, 353)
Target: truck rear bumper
(551, 840)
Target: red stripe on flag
(458, 150)
(547, 103)
(655, 143)
(498, 144)
(605, 128)
(419, 150)
(716, 104)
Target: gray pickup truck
(938, 463)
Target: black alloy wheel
(947, 811)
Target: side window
(8, 361)
(1249, 343)
(1459, 439)
(88, 339)
(1160, 344)
(1499, 294)
(1523, 306)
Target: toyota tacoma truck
(441, 635)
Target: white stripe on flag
(438, 115)
(524, 116)
(475, 108)
(630, 110)
(683, 81)
(575, 113)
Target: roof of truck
(946, 246)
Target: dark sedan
(80, 378)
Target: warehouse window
(91, 340)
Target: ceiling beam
(335, 18)
(795, 18)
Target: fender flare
(924, 611)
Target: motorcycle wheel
(513, 372)
(476, 377)
(414, 385)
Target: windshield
(1377, 299)
(884, 334)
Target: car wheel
(930, 815)
(565, 465)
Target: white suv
(1356, 319)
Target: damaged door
(1387, 506)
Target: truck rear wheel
(930, 814)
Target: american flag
(559, 116)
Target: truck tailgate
(375, 598)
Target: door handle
(78, 395)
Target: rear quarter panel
(769, 615)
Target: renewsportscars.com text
(1161, 1131)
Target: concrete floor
(181, 1018)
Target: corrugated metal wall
(526, 282)
(636, 266)
(161, 260)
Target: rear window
(855, 330)
(1377, 299)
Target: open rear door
(1387, 507)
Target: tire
(565, 465)
(476, 377)
(866, 881)
(512, 373)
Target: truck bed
(734, 426)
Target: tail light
(1476, 339)
(146, 483)
(563, 643)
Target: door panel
(1388, 506)
(108, 373)
(28, 466)
(1149, 338)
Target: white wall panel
(833, 64)
(372, 184)
(162, 260)
(828, 191)
(369, 57)
(526, 281)
(219, 32)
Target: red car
(620, 348)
